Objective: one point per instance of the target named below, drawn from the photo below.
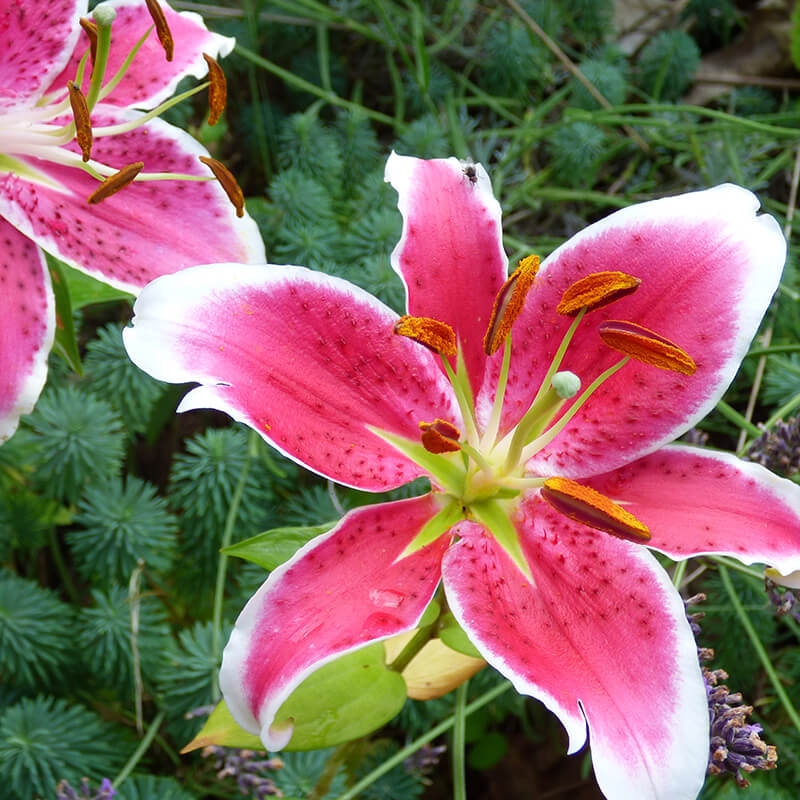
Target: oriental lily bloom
(542, 493)
(57, 146)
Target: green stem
(412, 647)
(733, 564)
(66, 578)
(100, 64)
(730, 413)
(222, 563)
(758, 647)
(680, 571)
(354, 791)
(458, 754)
(140, 750)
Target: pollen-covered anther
(647, 346)
(162, 27)
(83, 121)
(113, 183)
(435, 335)
(595, 291)
(587, 505)
(228, 183)
(217, 90)
(509, 302)
(90, 29)
(440, 436)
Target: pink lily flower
(542, 495)
(170, 218)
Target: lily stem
(140, 750)
(766, 662)
(222, 563)
(458, 755)
(412, 647)
(354, 791)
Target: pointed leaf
(493, 515)
(220, 729)
(271, 548)
(66, 342)
(85, 290)
(435, 527)
(455, 637)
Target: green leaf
(455, 637)
(66, 343)
(85, 290)
(435, 527)
(343, 700)
(272, 548)
(494, 515)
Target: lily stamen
(162, 27)
(217, 90)
(228, 183)
(647, 346)
(83, 122)
(113, 184)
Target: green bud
(104, 15)
(566, 384)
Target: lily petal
(146, 230)
(28, 326)
(450, 255)
(36, 41)
(601, 638)
(306, 359)
(679, 247)
(701, 501)
(340, 592)
(151, 79)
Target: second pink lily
(539, 407)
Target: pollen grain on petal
(162, 27)
(83, 120)
(435, 335)
(586, 505)
(509, 302)
(217, 90)
(228, 183)
(113, 183)
(440, 436)
(90, 29)
(597, 290)
(647, 346)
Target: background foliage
(114, 601)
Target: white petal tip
(277, 735)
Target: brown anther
(509, 302)
(90, 29)
(596, 290)
(587, 505)
(113, 183)
(228, 183)
(83, 121)
(647, 346)
(440, 436)
(217, 90)
(435, 335)
(162, 28)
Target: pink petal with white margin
(450, 254)
(340, 592)
(601, 639)
(147, 229)
(701, 501)
(709, 267)
(36, 38)
(306, 359)
(26, 335)
(151, 79)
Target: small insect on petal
(90, 29)
(509, 302)
(435, 335)
(83, 121)
(162, 27)
(113, 183)
(440, 436)
(228, 183)
(596, 290)
(217, 90)
(647, 346)
(586, 505)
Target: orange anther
(217, 90)
(509, 302)
(228, 183)
(440, 436)
(113, 183)
(83, 121)
(90, 29)
(595, 291)
(647, 346)
(587, 505)
(162, 27)
(435, 335)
